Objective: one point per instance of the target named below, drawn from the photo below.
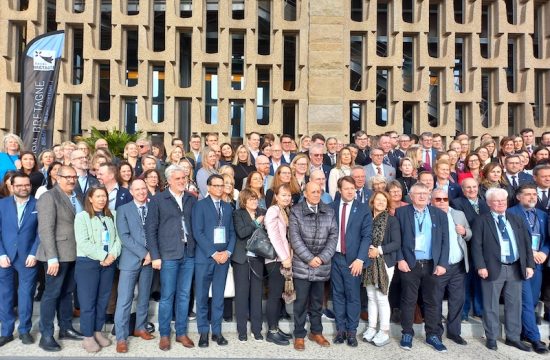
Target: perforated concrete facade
(326, 63)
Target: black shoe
(351, 340)
(5, 339)
(457, 339)
(491, 344)
(203, 340)
(339, 338)
(539, 347)
(243, 338)
(518, 345)
(276, 338)
(109, 319)
(284, 334)
(219, 339)
(258, 337)
(26, 339)
(150, 327)
(48, 343)
(228, 318)
(38, 296)
(155, 295)
(70, 334)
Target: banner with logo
(39, 74)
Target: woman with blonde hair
(9, 157)
(300, 167)
(242, 165)
(283, 175)
(131, 155)
(344, 163)
(209, 167)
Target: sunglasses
(441, 199)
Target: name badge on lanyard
(535, 241)
(219, 235)
(419, 243)
(105, 237)
(505, 248)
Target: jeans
(175, 281)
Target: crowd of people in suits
(388, 227)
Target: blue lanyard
(420, 223)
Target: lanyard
(420, 223)
(20, 221)
(533, 224)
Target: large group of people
(388, 227)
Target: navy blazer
(358, 231)
(132, 235)
(542, 219)
(14, 240)
(92, 181)
(164, 229)
(365, 195)
(123, 196)
(464, 205)
(440, 236)
(204, 221)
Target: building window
(237, 9)
(105, 32)
(357, 10)
(76, 114)
(290, 9)
(185, 63)
(289, 117)
(104, 103)
(382, 29)
(237, 61)
(433, 103)
(78, 60)
(186, 8)
(237, 119)
(289, 62)
(355, 117)
(130, 114)
(132, 63)
(408, 63)
(211, 27)
(356, 62)
(263, 96)
(264, 27)
(458, 71)
(157, 110)
(211, 94)
(382, 78)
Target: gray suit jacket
(460, 219)
(56, 226)
(132, 234)
(389, 172)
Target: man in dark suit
(118, 195)
(501, 249)
(536, 222)
(134, 264)
(57, 249)
(79, 161)
(286, 144)
(515, 176)
(541, 175)
(472, 206)
(354, 221)
(316, 160)
(429, 154)
(215, 238)
(424, 255)
(172, 246)
(276, 159)
(18, 244)
(362, 141)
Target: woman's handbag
(260, 245)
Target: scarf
(376, 273)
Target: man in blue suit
(354, 238)
(215, 238)
(134, 264)
(316, 153)
(118, 195)
(18, 244)
(424, 255)
(429, 154)
(536, 222)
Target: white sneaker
(369, 334)
(381, 338)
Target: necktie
(476, 207)
(378, 170)
(506, 237)
(427, 161)
(514, 182)
(143, 213)
(314, 209)
(387, 160)
(544, 199)
(358, 195)
(219, 210)
(343, 229)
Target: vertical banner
(39, 74)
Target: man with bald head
(313, 237)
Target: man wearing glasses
(362, 142)
(316, 156)
(85, 181)
(56, 211)
(286, 144)
(453, 279)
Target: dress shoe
(164, 343)
(273, 336)
(351, 340)
(539, 347)
(364, 316)
(122, 346)
(203, 340)
(219, 339)
(5, 339)
(155, 295)
(70, 334)
(284, 334)
(150, 327)
(518, 345)
(76, 313)
(457, 339)
(491, 344)
(319, 339)
(339, 338)
(38, 296)
(299, 344)
(26, 339)
(144, 334)
(48, 343)
(185, 341)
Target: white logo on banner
(44, 60)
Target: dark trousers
(312, 291)
(275, 284)
(453, 282)
(346, 298)
(24, 295)
(58, 296)
(248, 294)
(94, 288)
(420, 276)
(206, 274)
(530, 291)
(472, 291)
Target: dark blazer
(542, 219)
(486, 246)
(123, 196)
(327, 161)
(92, 181)
(392, 241)
(18, 241)
(358, 231)
(366, 193)
(204, 222)
(440, 236)
(132, 235)
(163, 226)
(463, 204)
(363, 157)
(244, 227)
(453, 190)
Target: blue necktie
(506, 237)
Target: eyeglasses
(22, 186)
(218, 186)
(80, 158)
(68, 177)
(316, 155)
(142, 146)
(441, 199)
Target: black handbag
(260, 245)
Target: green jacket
(88, 234)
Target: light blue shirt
(455, 251)
(83, 182)
(20, 211)
(423, 226)
(78, 208)
(510, 234)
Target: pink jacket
(276, 229)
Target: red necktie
(343, 229)
(427, 163)
(378, 170)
